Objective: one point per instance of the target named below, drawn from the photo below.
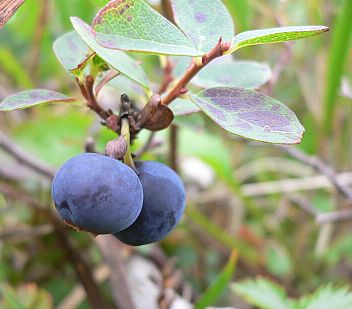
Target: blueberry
(163, 205)
(97, 194)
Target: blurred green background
(273, 229)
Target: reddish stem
(107, 78)
(193, 69)
(168, 78)
(91, 99)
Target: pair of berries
(101, 195)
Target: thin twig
(334, 216)
(92, 101)
(23, 157)
(107, 78)
(304, 204)
(193, 69)
(38, 37)
(285, 58)
(321, 167)
(173, 158)
(77, 294)
(293, 185)
(7, 9)
(82, 269)
(168, 77)
(111, 251)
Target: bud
(116, 148)
(156, 116)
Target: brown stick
(334, 216)
(38, 37)
(25, 158)
(110, 249)
(107, 78)
(7, 9)
(321, 167)
(193, 69)
(82, 269)
(173, 159)
(168, 77)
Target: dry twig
(7, 9)
(82, 269)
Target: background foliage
(262, 201)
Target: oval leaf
(250, 114)
(31, 98)
(117, 59)
(242, 74)
(71, 51)
(183, 107)
(226, 72)
(133, 25)
(204, 22)
(274, 35)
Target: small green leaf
(262, 293)
(204, 22)
(117, 59)
(31, 98)
(71, 51)
(183, 107)
(219, 285)
(327, 297)
(250, 114)
(274, 35)
(133, 25)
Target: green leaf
(133, 25)
(31, 98)
(241, 74)
(326, 298)
(183, 107)
(117, 59)
(250, 114)
(274, 35)
(226, 72)
(71, 51)
(342, 35)
(219, 285)
(262, 293)
(204, 22)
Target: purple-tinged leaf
(133, 25)
(204, 22)
(241, 74)
(183, 107)
(72, 52)
(31, 98)
(250, 114)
